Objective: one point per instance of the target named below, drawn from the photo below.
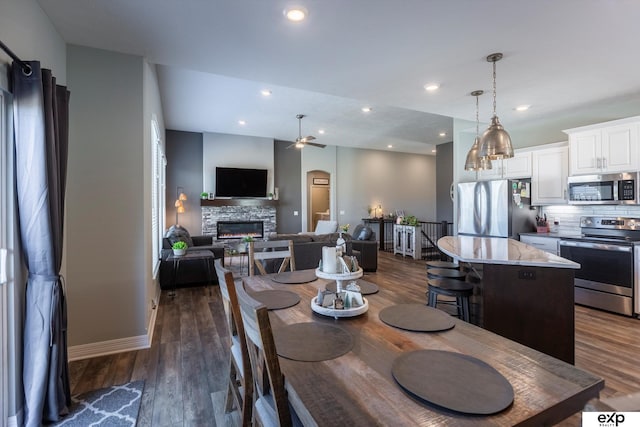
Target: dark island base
(530, 305)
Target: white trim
(103, 348)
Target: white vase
(341, 245)
(179, 252)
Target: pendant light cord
(494, 88)
(477, 116)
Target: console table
(206, 257)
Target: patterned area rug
(112, 406)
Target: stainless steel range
(609, 253)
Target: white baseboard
(16, 420)
(86, 351)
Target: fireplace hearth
(228, 230)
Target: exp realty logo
(610, 419)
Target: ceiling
(574, 61)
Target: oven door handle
(592, 245)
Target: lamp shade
(474, 162)
(495, 142)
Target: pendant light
(495, 142)
(474, 162)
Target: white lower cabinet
(547, 244)
(407, 240)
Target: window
(158, 168)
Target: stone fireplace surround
(212, 214)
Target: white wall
(107, 265)
(393, 180)
(27, 31)
(235, 151)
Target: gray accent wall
(184, 169)
(288, 180)
(444, 180)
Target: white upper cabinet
(519, 166)
(606, 147)
(549, 179)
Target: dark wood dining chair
(271, 405)
(240, 387)
(273, 249)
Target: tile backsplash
(568, 216)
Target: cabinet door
(549, 179)
(620, 148)
(519, 166)
(496, 171)
(548, 244)
(585, 152)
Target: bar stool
(445, 273)
(442, 264)
(460, 290)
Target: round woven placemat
(416, 317)
(312, 342)
(453, 381)
(366, 288)
(295, 277)
(276, 299)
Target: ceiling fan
(302, 141)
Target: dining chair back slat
(240, 381)
(272, 249)
(271, 404)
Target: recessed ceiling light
(242, 122)
(389, 146)
(430, 87)
(296, 14)
(442, 134)
(265, 92)
(366, 109)
(523, 107)
(321, 131)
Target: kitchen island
(526, 294)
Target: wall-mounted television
(239, 182)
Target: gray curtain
(41, 110)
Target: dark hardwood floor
(185, 368)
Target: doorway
(319, 199)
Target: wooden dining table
(358, 388)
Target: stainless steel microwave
(609, 189)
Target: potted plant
(179, 248)
(410, 220)
(270, 196)
(204, 195)
(243, 246)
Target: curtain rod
(26, 68)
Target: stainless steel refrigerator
(500, 208)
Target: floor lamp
(180, 197)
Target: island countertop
(497, 250)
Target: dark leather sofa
(192, 272)
(307, 249)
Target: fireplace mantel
(238, 202)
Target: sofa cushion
(330, 237)
(362, 232)
(177, 233)
(324, 227)
(295, 238)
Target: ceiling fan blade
(315, 144)
(309, 138)
(291, 146)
